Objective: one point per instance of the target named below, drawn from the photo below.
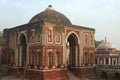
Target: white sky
(103, 15)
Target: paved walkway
(4, 72)
(73, 77)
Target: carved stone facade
(49, 45)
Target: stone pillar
(53, 59)
(40, 61)
(112, 60)
(118, 60)
(104, 61)
(61, 58)
(116, 63)
(98, 61)
(93, 59)
(76, 55)
(30, 62)
(89, 58)
(45, 60)
(35, 59)
(109, 61)
(27, 55)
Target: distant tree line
(1, 36)
(97, 43)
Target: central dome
(51, 15)
(106, 45)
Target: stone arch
(116, 76)
(72, 50)
(72, 32)
(21, 33)
(22, 50)
(104, 75)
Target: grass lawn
(11, 78)
(94, 78)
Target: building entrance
(23, 50)
(72, 50)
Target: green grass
(94, 78)
(4, 78)
(11, 78)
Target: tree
(97, 43)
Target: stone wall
(59, 74)
(83, 71)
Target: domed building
(107, 54)
(107, 61)
(49, 46)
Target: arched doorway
(23, 50)
(116, 76)
(72, 50)
(104, 76)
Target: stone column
(109, 61)
(45, 60)
(76, 55)
(53, 59)
(93, 60)
(35, 59)
(112, 60)
(98, 61)
(116, 63)
(30, 62)
(61, 58)
(104, 61)
(118, 60)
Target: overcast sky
(103, 15)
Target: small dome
(106, 45)
(51, 15)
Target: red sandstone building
(48, 46)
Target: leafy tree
(97, 43)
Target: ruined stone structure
(107, 61)
(48, 46)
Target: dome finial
(50, 6)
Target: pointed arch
(72, 47)
(22, 50)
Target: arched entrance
(104, 76)
(22, 50)
(116, 76)
(72, 50)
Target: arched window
(85, 58)
(49, 59)
(91, 58)
(32, 59)
(38, 58)
(11, 58)
(57, 59)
